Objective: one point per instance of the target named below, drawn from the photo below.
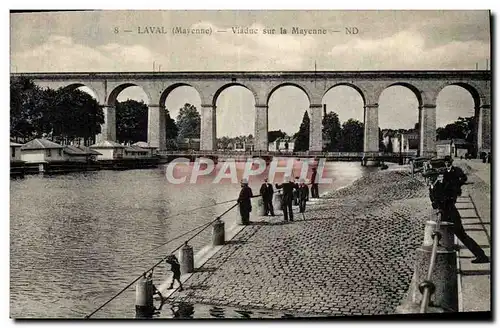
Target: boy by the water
(175, 267)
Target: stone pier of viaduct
(426, 86)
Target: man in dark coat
(288, 188)
(314, 183)
(267, 192)
(303, 192)
(443, 193)
(296, 193)
(245, 201)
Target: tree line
(347, 137)
(65, 115)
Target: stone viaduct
(426, 86)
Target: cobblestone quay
(352, 253)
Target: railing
(427, 287)
(201, 228)
(283, 154)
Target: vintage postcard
(250, 164)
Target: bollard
(445, 229)
(444, 275)
(186, 258)
(218, 237)
(144, 297)
(278, 200)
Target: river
(77, 239)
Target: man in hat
(267, 192)
(288, 188)
(245, 201)
(444, 193)
(303, 192)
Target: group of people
(294, 191)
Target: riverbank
(351, 253)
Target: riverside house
(41, 150)
(135, 152)
(79, 154)
(15, 151)
(144, 145)
(109, 150)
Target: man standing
(303, 192)
(245, 201)
(267, 192)
(288, 188)
(314, 184)
(444, 192)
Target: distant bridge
(270, 154)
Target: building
(189, 144)
(283, 145)
(108, 150)
(453, 148)
(144, 145)
(15, 151)
(79, 154)
(401, 142)
(41, 150)
(135, 152)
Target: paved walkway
(475, 209)
(352, 253)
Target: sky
(386, 40)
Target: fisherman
(267, 191)
(314, 183)
(175, 267)
(288, 188)
(245, 201)
(303, 192)
(444, 193)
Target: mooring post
(144, 297)
(186, 258)
(443, 282)
(218, 233)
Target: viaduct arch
(425, 84)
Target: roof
(107, 144)
(41, 144)
(135, 149)
(15, 144)
(143, 144)
(74, 150)
(89, 150)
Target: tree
(273, 135)
(25, 106)
(61, 115)
(131, 121)
(463, 128)
(188, 122)
(351, 137)
(171, 129)
(302, 137)
(331, 131)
